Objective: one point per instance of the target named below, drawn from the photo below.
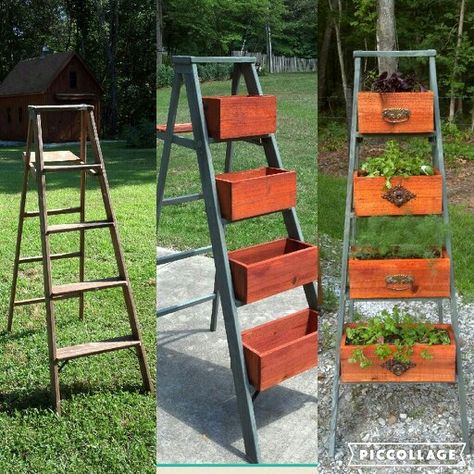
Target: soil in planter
(399, 237)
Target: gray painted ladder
(42, 163)
(350, 230)
(186, 72)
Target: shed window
(20, 115)
(9, 115)
(73, 79)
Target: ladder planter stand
(265, 355)
(395, 112)
(250, 193)
(413, 195)
(440, 368)
(240, 116)
(400, 277)
(280, 349)
(375, 115)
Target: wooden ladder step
(71, 289)
(55, 229)
(54, 212)
(88, 167)
(92, 348)
(54, 256)
(59, 156)
(178, 128)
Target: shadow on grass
(6, 336)
(125, 166)
(209, 404)
(40, 398)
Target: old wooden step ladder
(345, 302)
(186, 72)
(41, 163)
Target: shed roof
(34, 76)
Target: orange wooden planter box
(395, 112)
(270, 268)
(255, 192)
(280, 349)
(441, 368)
(240, 116)
(372, 198)
(400, 277)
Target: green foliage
(332, 136)
(396, 162)
(397, 328)
(400, 237)
(457, 143)
(214, 72)
(141, 135)
(164, 76)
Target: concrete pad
(197, 418)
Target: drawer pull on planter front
(280, 349)
(400, 282)
(398, 195)
(267, 269)
(396, 115)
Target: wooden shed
(60, 78)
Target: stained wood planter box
(400, 277)
(250, 193)
(240, 116)
(441, 368)
(395, 112)
(280, 349)
(267, 269)
(414, 195)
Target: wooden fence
(283, 63)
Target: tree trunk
(386, 34)
(269, 48)
(452, 102)
(323, 60)
(159, 34)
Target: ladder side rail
(21, 219)
(225, 287)
(82, 205)
(345, 256)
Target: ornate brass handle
(399, 282)
(395, 115)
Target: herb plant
(396, 162)
(399, 237)
(397, 83)
(399, 329)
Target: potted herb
(397, 182)
(394, 346)
(400, 257)
(395, 104)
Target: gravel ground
(388, 413)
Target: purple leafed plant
(397, 83)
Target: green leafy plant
(398, 329)
(396, 162)
(400, 237)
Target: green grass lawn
(107, 426)
(332, 192)
(185, 226)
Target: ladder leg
(50, 318)
(82, 205)
(216, 228)
(440, 312)
(215, 306)
(127, 290)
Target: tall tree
(386, 34)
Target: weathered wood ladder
(186, 72)
(345, 302)
(40, 163)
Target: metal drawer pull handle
(399, 282)
(396, 115)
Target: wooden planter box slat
(377, 278)
(267, 269)
(250, 193)
(441, 368)
(240, 116)
(371, 106)
(282, 348)
(369, 195)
